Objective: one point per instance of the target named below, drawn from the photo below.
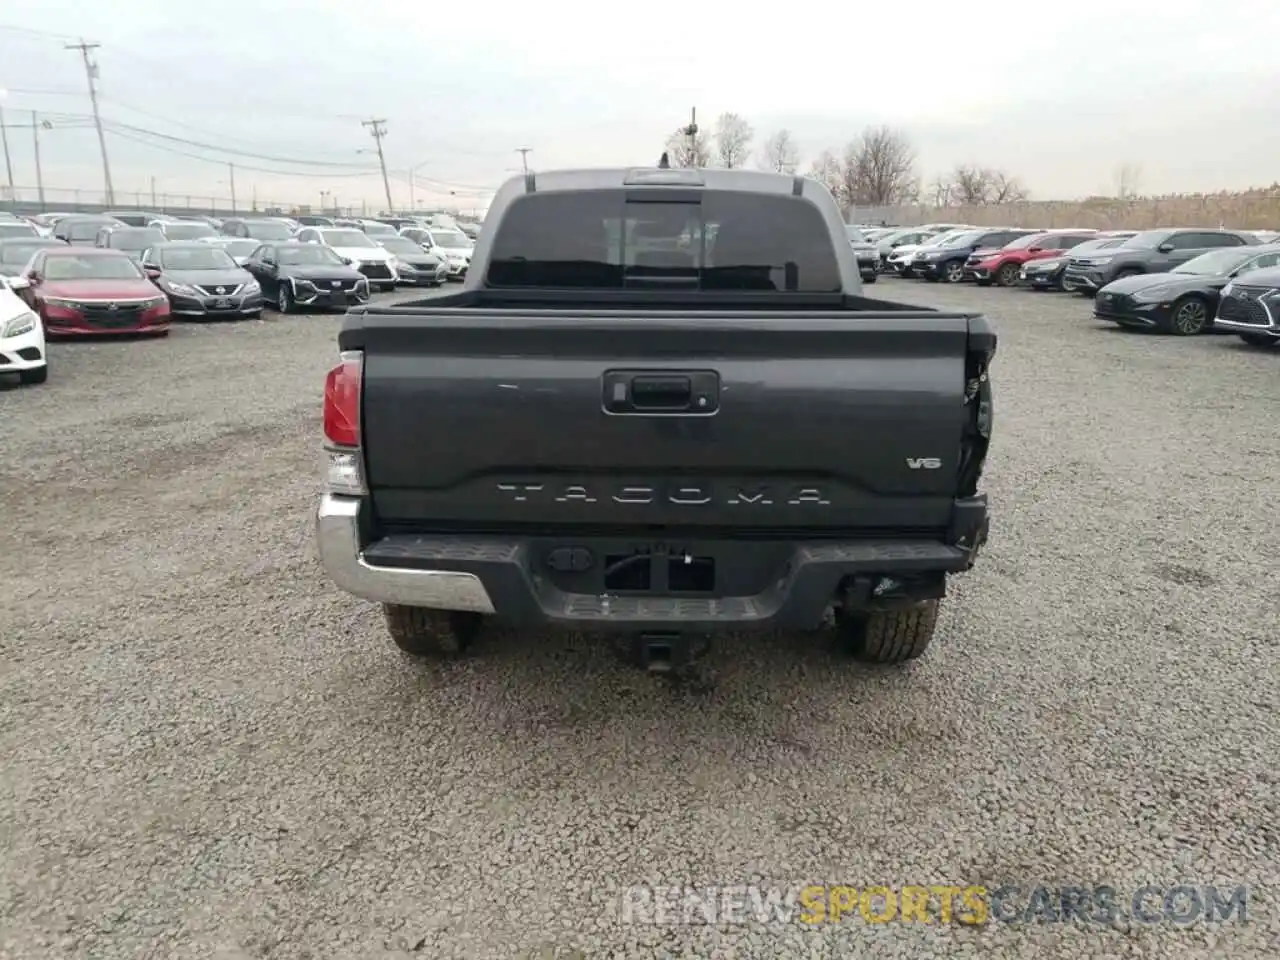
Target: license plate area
(222, 304)
(658, 568)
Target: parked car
(375, 228)
(133, 218)
(780, 524)
(1003, 265)
(81, 230)
(22, 347)
(16, 229)
(1249, 307)
(472, 230)
(175, 230)
(17, 252)
(310, 220)
(866, 253)
(294, 274)
(1047, 273)
(215, 222)
(395, 223)
(262, 229)
(202, 281)
(946, 261)
(455, 247)
(1151, 251)
(238, 248)
(132, 240)
(1184, 300)
(419, 235)
(358, 250)
(902, 260)
(415, 265)
(94, 291)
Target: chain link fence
(31, 200)
(1233, 211)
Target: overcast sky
(1061, 95)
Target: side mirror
(151, 270)
(347, 261)
(34, 279)
(17, 283)
(1165, 248)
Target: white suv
(22, 348)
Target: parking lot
(209, 747)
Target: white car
(354, 246)
(22, 349)
(454, 247)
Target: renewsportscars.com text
(972, 905)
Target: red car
(92, 290)
(1004, 266)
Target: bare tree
(780, 153)
(940, 189)
(687, 151)
(1128, 180)
(880, 168)
(829, 171)
(733, 140)
(970, 185)
(1006, 188)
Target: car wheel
(1259, 339)
(1189, 317)
(284, 298)
(889, 636)
(1007, 276)
(953, 272)
(38, 375)
(425, 632)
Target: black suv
(947, 262)
(1152, 251)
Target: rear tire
(38, 375)
(953, 272)
(870, 279)
(284, 299)
(425, 632)
(1189, 317)
(890, 636)
(1007, 276)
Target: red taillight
(342, 401)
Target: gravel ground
(210, 752)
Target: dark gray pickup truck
(659, 407)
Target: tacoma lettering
(679, 494)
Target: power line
(240, 153)
(379, 130)
(91, 72)
(127, 135)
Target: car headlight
(181, 289)
(1098, 261)
(250, 288)
(23, 323)
(62, 302)
(355, 264)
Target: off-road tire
(890, 636)
(425, 632)
(38, 375)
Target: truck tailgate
(477, 418)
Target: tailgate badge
(924, 463)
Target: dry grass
(1252, 210)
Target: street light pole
(4, 136)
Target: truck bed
(836, 417)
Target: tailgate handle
(689, 392)
(661, 393)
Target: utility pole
(8, 162)
(524, 157)
(691, 131)
(379, 130)
(35, 142)
(153, 193)
(91, 71)
(231, 167)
